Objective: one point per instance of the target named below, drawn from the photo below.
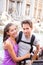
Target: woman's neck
(13, 39)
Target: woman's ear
(7, 33)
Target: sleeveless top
(7, 58)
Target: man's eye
(23, 29)
(27, 28)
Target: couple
(17, 51)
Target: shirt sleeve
(36, 41)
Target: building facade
(23, 9)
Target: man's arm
(36, 52)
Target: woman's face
(12, 31)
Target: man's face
(27, 30)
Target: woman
(11, 51)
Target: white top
(25, 48)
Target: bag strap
(32, 40)
(31, 43)
(19, 37)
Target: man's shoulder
(20, 32)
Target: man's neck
(27, 37)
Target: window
(18, 7)
(27, 9)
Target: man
(26, 38)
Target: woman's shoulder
(7, 44)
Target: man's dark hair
(27, 22)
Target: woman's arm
(9, 47)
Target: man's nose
(25, 30)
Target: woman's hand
(27, 55)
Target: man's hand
(36, 52)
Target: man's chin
(26, 35)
